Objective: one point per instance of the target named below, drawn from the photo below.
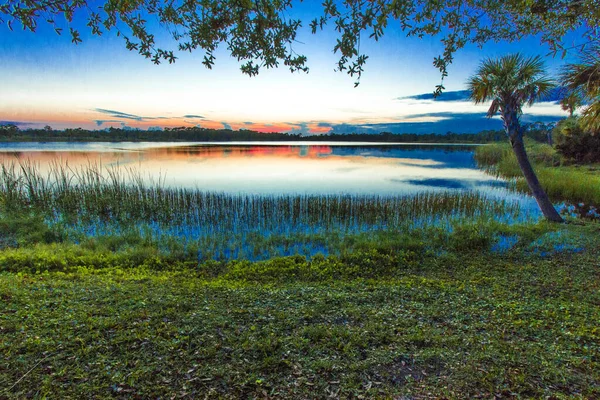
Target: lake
(259, 200)
(281, 168)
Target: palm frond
(584, 78)
(494, 107)
(590, 118)
(511, 80)
(585, 75)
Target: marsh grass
(570, 183)
(121, 206)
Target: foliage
(261, 34)
(571, 102)
(583, 81)
(539, 131)
(25, 229)
(196, 134)
(510, 82)
(575, 142)
(454, 326)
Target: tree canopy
(262, 34)
(510, 82)
(582, 79)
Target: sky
(47, 80)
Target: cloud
(19, 124)
(193, 116)
(458, 95)
(248, 123)
(324, 125)
(301, 128)
(446, 122)
(119, 114)
(100, 122)
(555, 95)
(123, 115)
(441, 115)
(226, 126)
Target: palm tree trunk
(538, 192)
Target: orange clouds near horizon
(38, 120)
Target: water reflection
(284, 168)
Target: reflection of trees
(242, 151)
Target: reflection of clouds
(423, 163)
(197, 160)
(452, 183)
(440, 183)
(417, 161)
(120, 163)
(345, 169)
(285, 169)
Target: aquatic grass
(99, 202)
(110, 195)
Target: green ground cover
(457, 326)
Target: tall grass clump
(562, 182)
(91, 201)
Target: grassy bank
(562, 182)
(456, 326)
(116, 289)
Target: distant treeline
(10, 133)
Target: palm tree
(584, 79)
(510, 82)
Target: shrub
(575, 143)
(25, 229)
(470, 238)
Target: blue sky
(98, 83)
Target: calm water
(276, 168)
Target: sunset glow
(99, 84)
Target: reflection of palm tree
(584, 80)
(510, 82)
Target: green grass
(562, 182)
(455, 326)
